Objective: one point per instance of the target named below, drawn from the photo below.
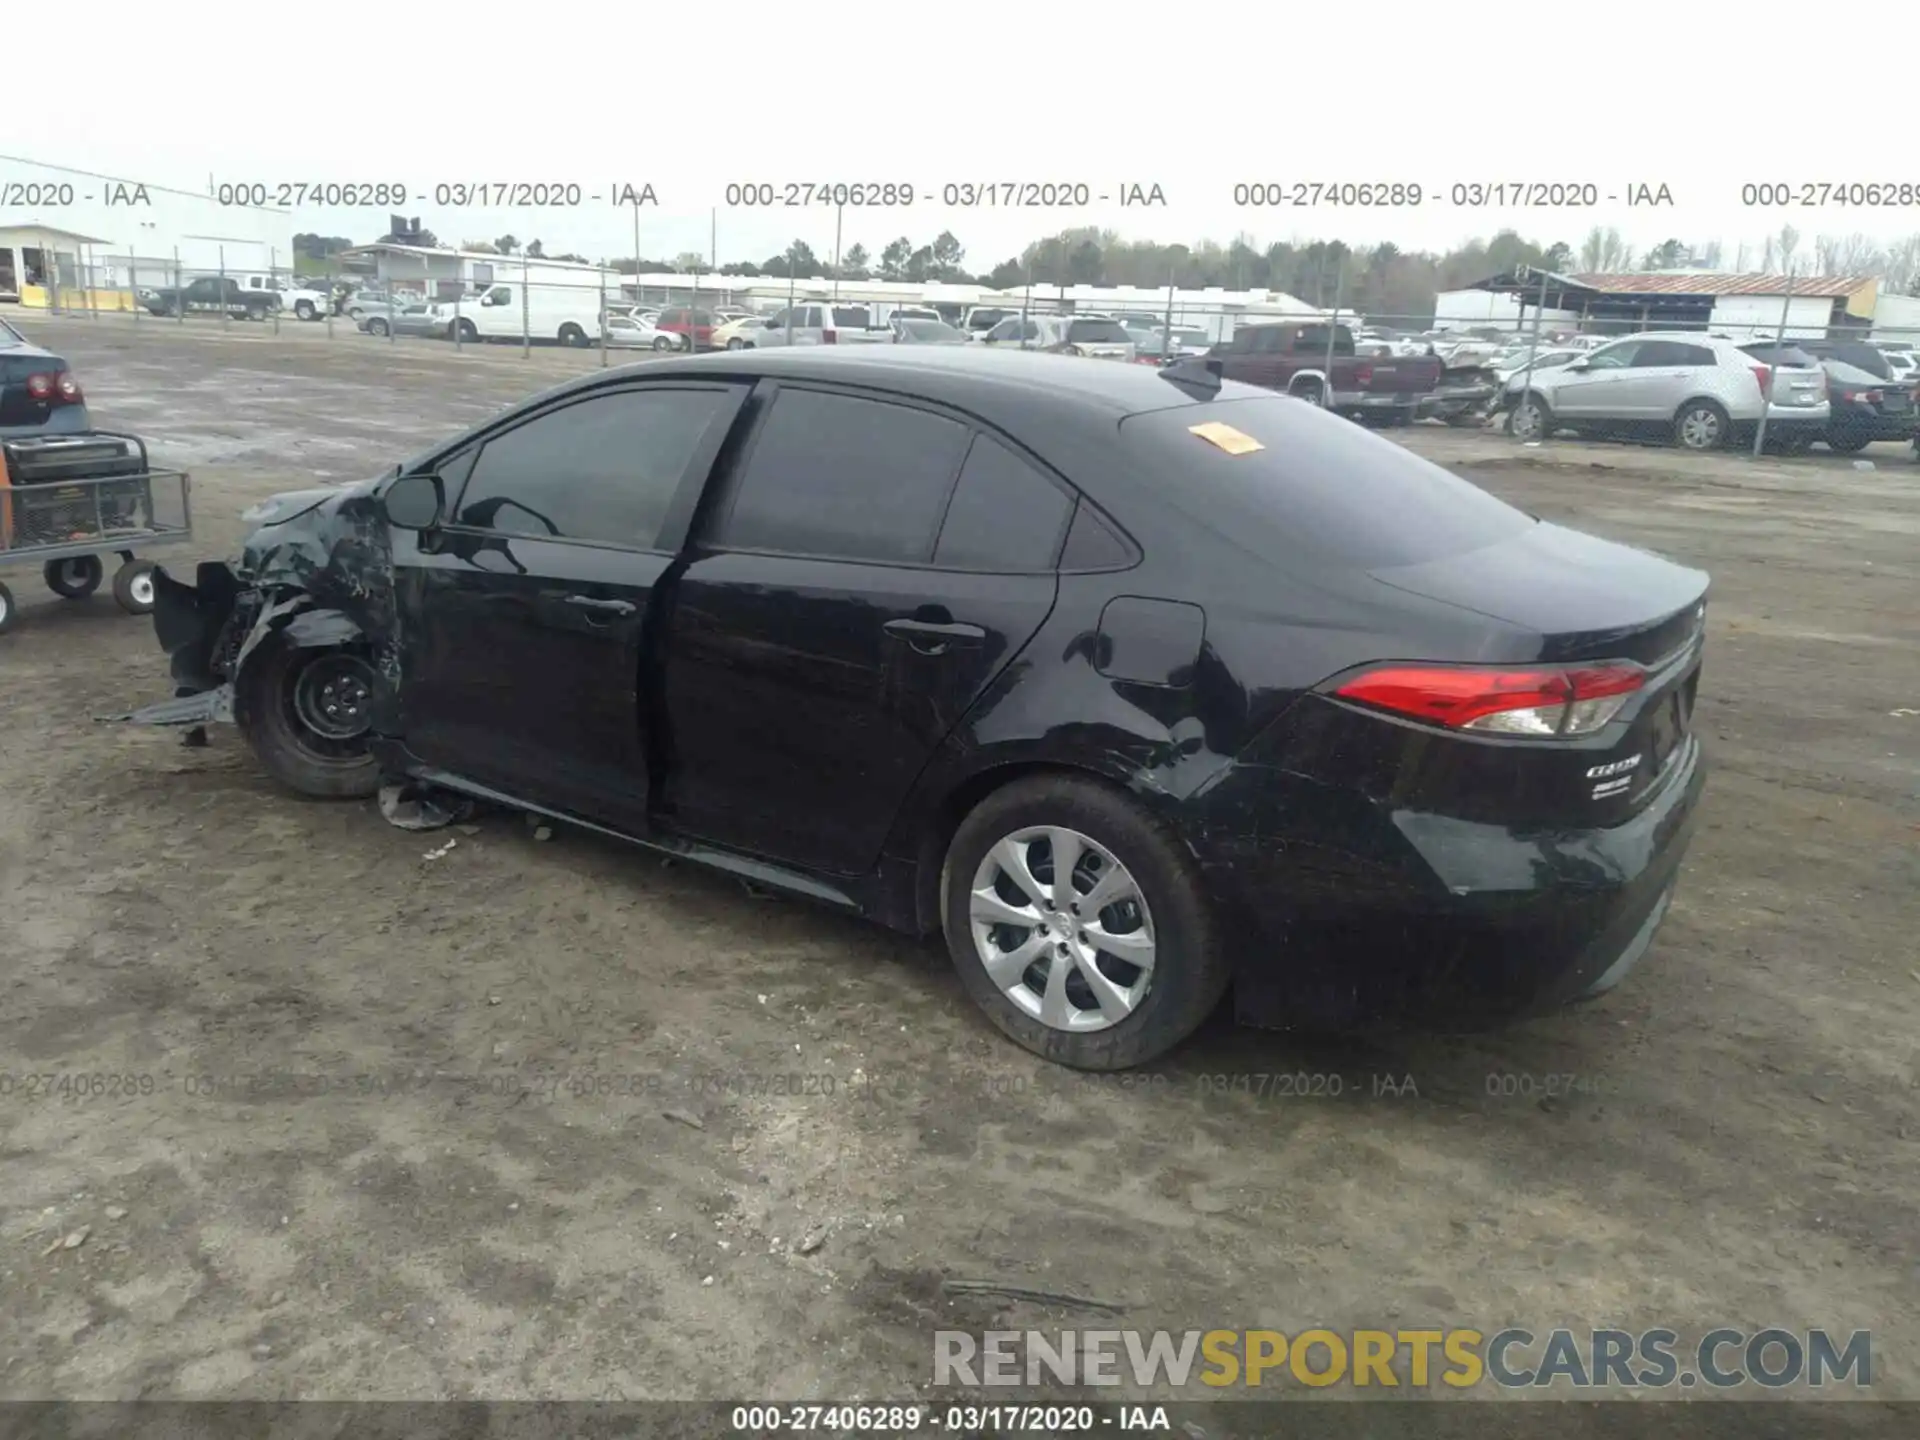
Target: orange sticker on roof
(1234, 442)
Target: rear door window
(1005, 517)
(844, 477)
(850, 317)
(1316, 493)
(1097, 332)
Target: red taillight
(1872, 397)
(1764, 374)
(1363, 374)
(829, 336)
(55, 388)
(1530, 701)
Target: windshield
(1333, 491)
(933, 331)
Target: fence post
(459, 286)
(1773, 370)
(133, 283)
(603, 317)
(179, 290)
(333, 288)
(226, 307)
(273, 278)
(526, 331)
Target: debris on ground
(71, 1241)
(411, 805)
(813, 1240)
(681, 1117)
(116, 1212)
(1023, 1292)
(440, 851)
(543, 832)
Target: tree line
(1381, 279)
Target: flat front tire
(1078, 924)
(304, 713)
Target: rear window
(1781, 355)
(1321, 488)
(850, 317)
(1097, 332)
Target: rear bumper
(1444, 921)
(1874, 426)
(1372, 400)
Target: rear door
(524, 616)
(865, 572)
(1661, 377)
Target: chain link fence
(1376, 368)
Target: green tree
(893, 259)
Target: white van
(548, 312)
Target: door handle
(610, 607)
(934, 630)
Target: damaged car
(1137, 685)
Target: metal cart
(68, 500)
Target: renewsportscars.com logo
(1721, 1359)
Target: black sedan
(1866, 408)
(1134, 683)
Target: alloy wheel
(1526, 421)
(1062, 928)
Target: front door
(845, 609)
(524, 618)
(1599, 390)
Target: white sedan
(626, 333)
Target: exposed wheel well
(931, 854)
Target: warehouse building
(77, 239)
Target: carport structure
(1693, 300)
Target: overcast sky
(1194, 99)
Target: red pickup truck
(1294, 358)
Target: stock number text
(1356, 194)
(1867, 194)
(293, 195)
(789, 195)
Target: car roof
(972, 379)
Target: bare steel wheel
(1062, 928)
(332, 696)
(307, 714)
(1077, 922)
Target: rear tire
(9, 612)
(1847, 443)
(133, 587)
(304, 310)
(267, 702)
(376, 327)
(571, 334)
(1701, 425)
(1188, 970)
(662, 343)
(75, 578)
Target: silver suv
(1701, 390)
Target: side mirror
(414, 502)
(1580, 365)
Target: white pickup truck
(818, 325)
(294, 298)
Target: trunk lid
(1587, 599)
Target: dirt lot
(395, 1126)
